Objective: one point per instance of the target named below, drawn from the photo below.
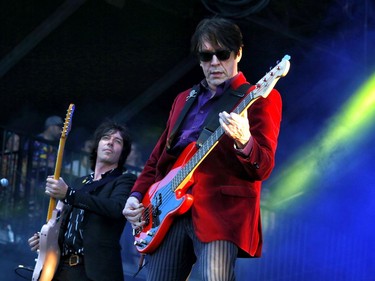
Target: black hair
(219, 32)
(106, 128)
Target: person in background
(135, 161)
(224, 220)
(93, 223)
(44, 147)
(81, 166)
(41, 152)
(12, 143)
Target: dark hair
(218, 32)
(106, 128)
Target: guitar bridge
(137, 231)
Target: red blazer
(226, 186)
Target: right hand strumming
(133, 212)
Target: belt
(73, 260)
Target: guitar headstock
(266, 84)
(68, 121)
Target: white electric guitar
(49, 250)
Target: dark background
(128, 60)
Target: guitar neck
(59, 157)
(56, 175)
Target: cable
(235, 8)
(20, 269)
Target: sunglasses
(220, 54)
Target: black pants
(65, 272)
(181, 249)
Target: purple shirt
(194, 120)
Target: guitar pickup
(140, 242)
(137, 231)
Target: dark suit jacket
(103, 224)
(227, 185)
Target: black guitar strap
(189, 101)
(226, 103)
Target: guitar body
(162, 205)
(49, 250)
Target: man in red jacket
(224, 219)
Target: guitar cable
(20, 269)
(141, 264)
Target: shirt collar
(220, 88)
(90, 178)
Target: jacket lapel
(189, 101)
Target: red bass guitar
(167, 198)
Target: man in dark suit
(93, 223)
(224, 219)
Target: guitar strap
(189, 101)
(226, 103)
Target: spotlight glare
(320, 156)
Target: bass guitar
(167, 198)
(49, 250)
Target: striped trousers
(181, 249)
